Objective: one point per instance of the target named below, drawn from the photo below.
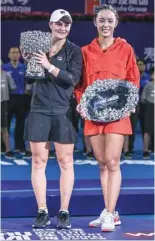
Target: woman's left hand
(42, 59)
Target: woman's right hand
(25, 56)
(81, 111)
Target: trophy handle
(34, 70)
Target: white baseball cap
(60, 13)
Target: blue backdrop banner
(73, 6)
(40, 5)
(122, 6)
(139, 34)
(133, 6)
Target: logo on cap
(59, 58)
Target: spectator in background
(144, 79)
(7, 84)
(76, 120)
(28, 92)
(87, 147)
(139, 113)
(75, 116)
(17, 103)
(144, 76)
(86, 139)
(129, 140)
(86, 142)
(148, 100)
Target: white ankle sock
(44, 208)
(63, 210)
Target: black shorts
(149, 118)
(4, 114)
(75, 114)
(56, 128)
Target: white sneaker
(98, 222)
(108, 224)
(117, 220)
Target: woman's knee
(112, 163)
(39, 160)
(102, 166)
(99, 157)
(65, 161)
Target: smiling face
(60, 29)
(105, 23)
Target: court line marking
(82, 189)
(80, 162)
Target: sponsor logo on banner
(130, 6)
(52, 234)
(149, 57)
(15, 6)
(126, 6)
(91, 5)
(73, 234)
(15, 235)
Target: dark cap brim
(66, 19)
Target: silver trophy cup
(32, 42)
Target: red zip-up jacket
(117, 62)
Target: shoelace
(108, 218)
(40, 216)
(64, 217)
(102, 215)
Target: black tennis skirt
(56, 128)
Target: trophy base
(34, 77)
(31, 79)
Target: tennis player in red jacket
(104, 58)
